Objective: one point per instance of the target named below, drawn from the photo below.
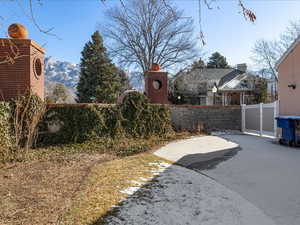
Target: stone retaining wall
(206, 118)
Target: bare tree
(288, 36)
(266, 53)
(248, 14)
(149, 31)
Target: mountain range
(68, 74)
(62, 72)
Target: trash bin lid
(289, 117)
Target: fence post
(243, 117)
(261, 119)
(275, 115)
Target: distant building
(211, 86)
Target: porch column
(223, 98)
(241, 98)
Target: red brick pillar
(156, 86)
(25, 72)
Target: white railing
(260, 118)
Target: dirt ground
(40, 192)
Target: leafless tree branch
(13, 54)
(266, 56)
(266, 53)
(147, 32)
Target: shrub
(6, 140)
(27, 112)
(80, 123)
(142, 119)
(134, 118)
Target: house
(288, 68)
(213, 86)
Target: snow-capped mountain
(68, 74)
(63, 72)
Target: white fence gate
(260, 118)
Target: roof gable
(242, 82)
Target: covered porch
(235, 97)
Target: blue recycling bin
(287, 123)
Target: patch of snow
(137, 183)
(155, 171)
(130, 190)
(144, 179)
(160, 164)
(182, 196)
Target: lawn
(107, 185)
(76, 183)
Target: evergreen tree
(125, 83)
(261, 91)
(217, 61)
(99, 81)
(59, 93)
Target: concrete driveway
(263, 172)
(197, 149)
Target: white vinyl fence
(260, 118)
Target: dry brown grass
(102, 188)
(38, 192)
(84, 180)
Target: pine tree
(124, 79)
(98, 81)
(217, 61)
(261, 90)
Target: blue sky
(224, 27)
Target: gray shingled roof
(199, 81)
(219, 76)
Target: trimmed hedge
(134, 118)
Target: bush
(80, 123)
(142, 119)
(6, 139)
(27, 112)
(134, 118)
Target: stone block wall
(206, 118)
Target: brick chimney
(242, 67)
